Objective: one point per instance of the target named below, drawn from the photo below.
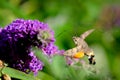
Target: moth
(81, 48)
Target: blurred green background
(71, 18)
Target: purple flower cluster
(17, 39)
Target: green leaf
(44, 76)
(18, 74)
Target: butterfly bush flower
(17, 39)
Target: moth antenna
(62, 33)
(85, 34)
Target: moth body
(81, 48)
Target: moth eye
(75, 40)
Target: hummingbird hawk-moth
(81, 48)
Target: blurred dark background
(71, 18)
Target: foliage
(71, 18)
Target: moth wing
(85, 34)
(68, 53)
(72, 51)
